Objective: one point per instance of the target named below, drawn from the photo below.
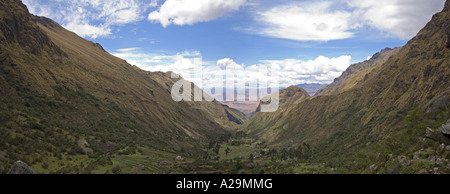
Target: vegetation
(67, 106)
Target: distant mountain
(338, 84)
(372, 119)
(68, 106)
(249, 107)
(312, 88)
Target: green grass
(305, 168)
(242, 151)
(68, 164)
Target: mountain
(263, 125)
(249, 107)
(340, 84)
(228, 117)
(312, 89)
(246, 107)
(66, 105)
(381, 119)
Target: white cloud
(315, 21)
(91, 18)
(228, 63)
(122, 11)
(179, 63)
(86, 30)
(153, 3)
(321, 20)
(34, 8)
(187, 12)
(128, 49)
(320, 70)
(401, 18)
(325, 20)
(292, 71)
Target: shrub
(44, 165)
(116, 169)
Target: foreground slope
(385, 113)
(63, 98)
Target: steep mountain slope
(264, 125)
(386, 112)
(222, 114)
(64, 97)
(340, 84)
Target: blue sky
(313, 41)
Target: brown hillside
(57, 88)
(349, 77)
(382, 104)
(265, 125)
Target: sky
(307, 41)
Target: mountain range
(68, 106)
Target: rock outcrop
(445, 128)
(17, 25)
(21, 168)
(437, 136)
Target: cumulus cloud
(186, 12)
(229, 64)
(401, 18)
(315, 21)
(325, 20)
(180, 63)
(291, 71)
(320, 70)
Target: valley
(69, 107)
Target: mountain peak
(348, 79)
(17, 25)
(292, 90)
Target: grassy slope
(368, 117)
(268, 125)
(352, 75)
(57, 88)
